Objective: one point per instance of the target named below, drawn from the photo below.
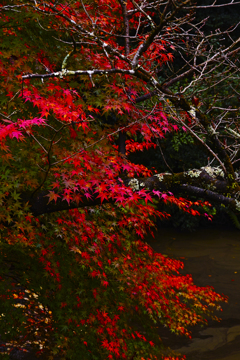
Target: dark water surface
(212, 256)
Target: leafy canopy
(76, 274)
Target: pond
(212, 256)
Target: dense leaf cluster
(82, 88)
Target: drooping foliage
(76, 274)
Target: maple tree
(85, 83)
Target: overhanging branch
(66, 72)
(208, 183)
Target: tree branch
(207, 182)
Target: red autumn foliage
(78, 275)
